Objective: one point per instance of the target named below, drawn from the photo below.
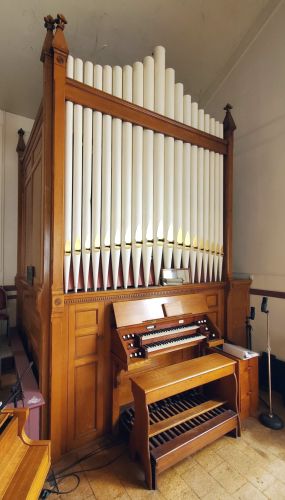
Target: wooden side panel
(85, 373)
(237, 311)
(32, 201)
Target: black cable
(89, 455)
(60, 476)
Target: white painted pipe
(147, 196)
(68, 179)
(186, 205)
(158, 183)
(168, 202)
(127, 178)
(169, 92)
(148, 82)
(87, 179)
(178, 203)
(116, 179)
(159, 79)
(77, 180)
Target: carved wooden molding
(115, 295)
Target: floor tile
(228, 477)
(249, 492)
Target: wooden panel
(85, 373)
(28, 225)
(85, 399)
(189, 304)
(37, 224)
(212, 300)
(238, 310)
(85, 345)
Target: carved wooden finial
(229, 124)
(61, 21)
(21, 143)
(59, 43)
(49, 25)
(49, 22)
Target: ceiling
(203, 39)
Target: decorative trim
(141, 293)
(267, 293)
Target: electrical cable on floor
(57, 478)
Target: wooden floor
(251, 467)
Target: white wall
(9, 126)
(256, 89)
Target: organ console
(123, 175)
(178, 408)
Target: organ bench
(172, 421)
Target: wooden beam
(79, 93)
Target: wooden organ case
(65, 309)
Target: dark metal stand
(269, 419)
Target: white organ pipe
(200, 200)
(106, 181)
(147, 194)
(96, 180)
(186, 185)
(169, 92)
(169, 172)
(178, 179)
(138, 83)
(168, 201)
(137, 202)
(212, 205)
(206, 200)
(159, 79)
(77, 179)
(128, 83)
(221, 221)
(87, 176)
(194, 195)
(68, 179)
(127, 178)
(148, 82)
(107, 79)
(178, 200)
(186, 205)
(187, 109)
(98, 77)
(137, 175)
(178, 106)
(116, 180)
(158, 183)
(217, 207)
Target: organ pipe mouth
(67, 253)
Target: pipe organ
(123, 175)
(136, 200)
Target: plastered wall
(256, 89)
